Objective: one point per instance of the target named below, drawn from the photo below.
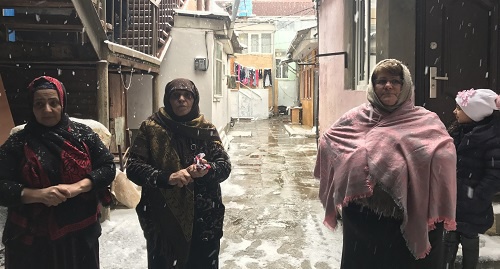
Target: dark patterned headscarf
(185, 85)
(46, 82)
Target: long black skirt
(371, 241)
(75, 251)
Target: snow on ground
(322, 247)
(122, 244)
(489, 248)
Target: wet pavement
(273, 216)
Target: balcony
(132, 33)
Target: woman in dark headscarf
(179, 161)
(53, 173)
(390, 167)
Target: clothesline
(250, 76)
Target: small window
(219, 70)
(281, 69)
(243, 38)
(254, 43)
(266, 43)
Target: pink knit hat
(478, 104)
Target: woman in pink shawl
(389, 168)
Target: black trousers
(372, 241)
(202, 255)
(470, 250)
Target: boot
(450, 248)
(470, 251)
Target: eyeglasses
(384, 81)
(177, 94)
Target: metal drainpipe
(234, 14)
(319, 74)
(236, 6)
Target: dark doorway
(458, 48)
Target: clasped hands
(54, 195)
(185, 176)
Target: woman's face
(47, 107)
(388, 88)
(181, 102)
(461, 116)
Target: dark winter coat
(178, 217)
(478, 173)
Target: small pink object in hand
(199, 164)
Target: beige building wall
(190, 5)
(259, 61)
(334, 98)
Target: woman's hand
(196, 171)
(54, 195)
(76, 188)
(50, 196)
(180, 178)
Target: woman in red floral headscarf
(54, 173)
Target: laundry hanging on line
(251, 77)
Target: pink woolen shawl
(407, 152)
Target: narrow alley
(273, 216)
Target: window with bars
(365, 18)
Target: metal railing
(142, 25)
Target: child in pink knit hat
(476, 135)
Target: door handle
(433, 82)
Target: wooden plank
(36, 4)
(17, 52)
(43, 27)
(41, 19)
(42, 23)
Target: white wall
(188, 44)
(139, 99)
(288, 94)
(249, 103)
